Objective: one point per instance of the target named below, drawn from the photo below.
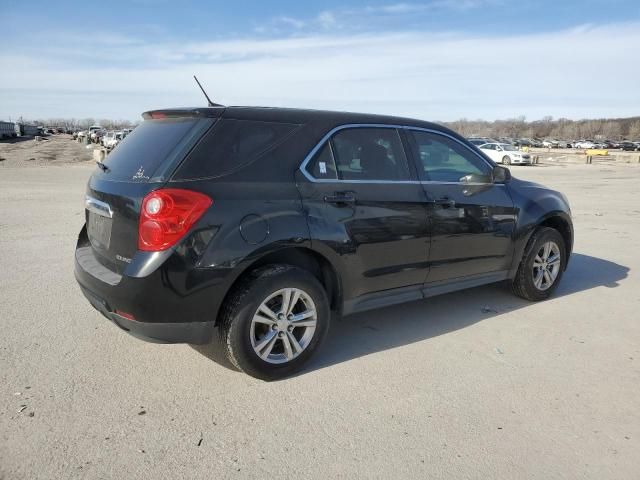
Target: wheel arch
(557, 220)
(301, 257)
(561, 224)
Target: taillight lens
(167, 215)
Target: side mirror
(501, 174)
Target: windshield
(509, 148)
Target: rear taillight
(167, 215)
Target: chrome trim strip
(324, 139)
(97, 207)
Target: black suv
(255, 224)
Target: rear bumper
(183, 332)
(172, 303)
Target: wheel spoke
(554, 260)
(286, 300)
(547, 278)
(287, 347)
(267, 350)
(294, 342)
(260, 319)
(547, 250)
(538, 278)
(295, 319)
(537, 262)
(305, 323)
(268, 312)
(266, 343)
(292, 303)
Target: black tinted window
(322, 165)
(153, 142)
(370, 154)
(443, 159)
(230, 145)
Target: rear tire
(259, 322)
(540, 269)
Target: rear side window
(370, 154)
(151, 145)
(230, 145)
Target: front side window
(370, 153)
(442, 159)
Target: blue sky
(437, 59)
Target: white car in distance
(111, 139)
(506, 154)
(586, 144)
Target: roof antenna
(211, 104)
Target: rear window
(152, 148)
(230, 145)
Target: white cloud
(293, 22)
(399, 8)
(429, 76)
(327, 19)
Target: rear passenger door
(472, 218)
(366, 210)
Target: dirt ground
(51, 150)
(474, 384)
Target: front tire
(274, 321)
(542, 265)
(506, 160)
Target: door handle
(341, 198)
(446, 202)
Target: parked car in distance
(505, 154)
(111, 139)
(584, 144)
(628, 146)
(258, 225)
(479, 140)
(550, 143)
(522, 142)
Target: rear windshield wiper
(102, 166)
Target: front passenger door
(472, 219)
(366, 211)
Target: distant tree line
(561, 128)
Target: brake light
(126, 315)
(167, 215)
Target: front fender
(538, 205)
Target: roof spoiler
(212, 112)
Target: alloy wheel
(546, 266)
(283, 325)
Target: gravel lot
(476, 384)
